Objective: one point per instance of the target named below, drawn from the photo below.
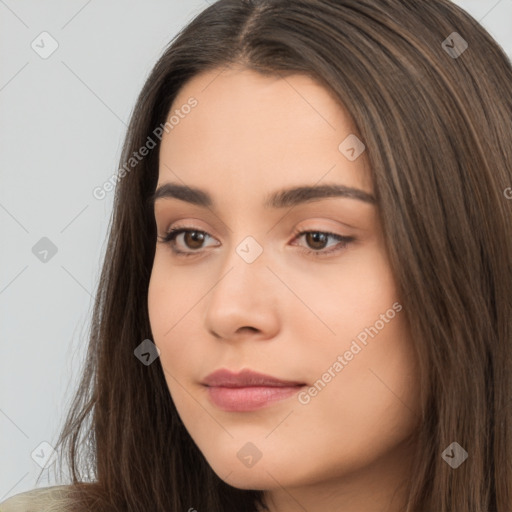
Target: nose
(244, 300)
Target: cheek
(171, 297)
(157, 291)
(348, 298)
(376, 378)
(365, 412)
(171, 332)
(170, 317)
(372, 403)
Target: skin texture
(287, 314)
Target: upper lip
(245, 378)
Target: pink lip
(247, 390)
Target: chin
(248, 481)
(256, 478)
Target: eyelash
(170, 236)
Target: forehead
(248, 129)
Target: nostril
(253, 329)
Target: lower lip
(249, 398)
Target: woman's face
(320, 313)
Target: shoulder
(44, 499)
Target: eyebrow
(280, 199)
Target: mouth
(247, 390)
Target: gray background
(61, 129)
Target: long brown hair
(436, 118)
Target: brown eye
(317, 242)
(316, 239)
(193, 239)
(189, 245)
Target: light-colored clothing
(44, 499)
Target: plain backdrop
(63, 119)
